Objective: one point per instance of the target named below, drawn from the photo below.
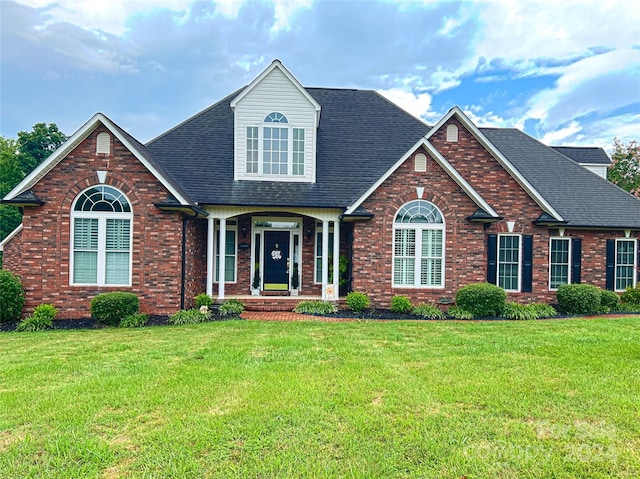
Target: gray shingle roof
(360, 136)
(585, 155)
(580, 196)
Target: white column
(210, 254)
(336, 259)
(325, 258)
(223, 249)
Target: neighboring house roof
(584, 155)
(582, 198)
(360, 135)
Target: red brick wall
(196, 260)
(12, 254)
(46, 235)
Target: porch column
(210, 230)
(336, 259)
(223, 249)
(325, 258)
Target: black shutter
(611, 263)
(576, 260)
(527, 264)
(492, 258)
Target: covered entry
(276, 260)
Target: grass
(247, 399)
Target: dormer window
(275, 147)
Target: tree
(10, 175)
(624, 170)
(35, 146)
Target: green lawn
(495, 399)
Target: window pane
(118, 234)
(508, 262)
(85, 233)
(319, 253)
(559, 258)
(252, 149)
(117, 264)
(625, 262)
(85, 246)
(85, 267)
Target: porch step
(270, 303)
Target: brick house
(278, 181)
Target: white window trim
(290, 142)
(216, 239)
(102, 242)
(418, 228)
(570, 249)
(519, 236)
(635, 263)
(316, 257)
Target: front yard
(245, 399)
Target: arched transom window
(101, 236)
(418, 246)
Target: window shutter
(492, 258)
(576, 260)
(611, 263)
(527, 264)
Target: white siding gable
(275, 91)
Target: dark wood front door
(276, 260)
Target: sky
(566, 72)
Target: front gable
(275, 123)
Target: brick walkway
(288, 316)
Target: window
(509, 262)
(418, 246)
(559, 262)
(229, 253)
(276, 148)
(101, 235)
(625, 265)
(318, 253)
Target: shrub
(513, 310)
(428, 311)
(544, 310)
(631, 295)
(482, 299)
(110, 308)
(11, 296)
(579, 298)
(456, 312)
(231, 307)
(203, 299)
(46, 311)
(315, 307)
(609, 300)
(189, 316)
(136, 320)
(401, 304)
(41, 319)
(357, 301)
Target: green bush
(631, 295)
(579, 298)
(41, 319)
(189, 316)
(428, 311)
(11, 296)
(482, 299)
(401, 304)
(231, 307)
(544, 310)
(357, 301)
(315, 307)
(609, 300)
(456, 312)
(136, 320)
(203, 299)
(111, 308)
(514, 310)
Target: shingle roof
(580, 196)
(585, 155)
(360, 136)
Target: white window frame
(418, 228)
(551, 264)
(633, 265)
(519, 268)
(317, 256)
(291, 143)
(102, 241)
(232, 227)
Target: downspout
(183, 275)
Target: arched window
(101, 235)
(418, 246)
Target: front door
(276, 260)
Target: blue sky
(565, 72)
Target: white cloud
(556, 137)
(285, 11)
(419, 105)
